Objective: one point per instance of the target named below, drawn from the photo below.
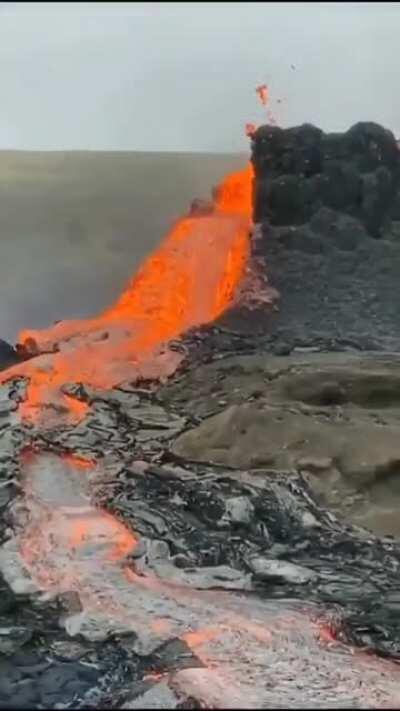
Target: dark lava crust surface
(327, 214)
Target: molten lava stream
(190, 280)
(68, 545)
(242, 640)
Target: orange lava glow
(59, 535)
(200, 637)
(60, 527)
(77, 408)
(190, 279)
(161, 626)
(250, 129)
(78, 462)
(263, 94)
(89, 529)
(326, 634)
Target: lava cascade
(189, 280)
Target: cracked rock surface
(226, 547)
(334, 417)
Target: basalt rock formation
(327, 214)
(8, 355)
(300, 171)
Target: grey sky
(172, 76)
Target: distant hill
(74, 225)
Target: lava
(63, 524)
(79, 462)
(250, 129)
(190, 279)
(263, 93)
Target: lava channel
(255, 653)
(189, 280)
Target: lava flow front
(191, 279)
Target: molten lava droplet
(262, 92)
(250, 129)
(189, 280)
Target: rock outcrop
(327, 210)
(301, 172)
(8, 355)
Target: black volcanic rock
(199, 208)
(327, 214)
(299, 170)
(8, 355)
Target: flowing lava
(69, 545)
(191, 279)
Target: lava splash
(189, 280)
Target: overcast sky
(172, 76)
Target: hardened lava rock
(327, 208)
(201, 208)
(302, 169)
(8, 355)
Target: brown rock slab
(333, 416)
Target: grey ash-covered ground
(327, 210)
